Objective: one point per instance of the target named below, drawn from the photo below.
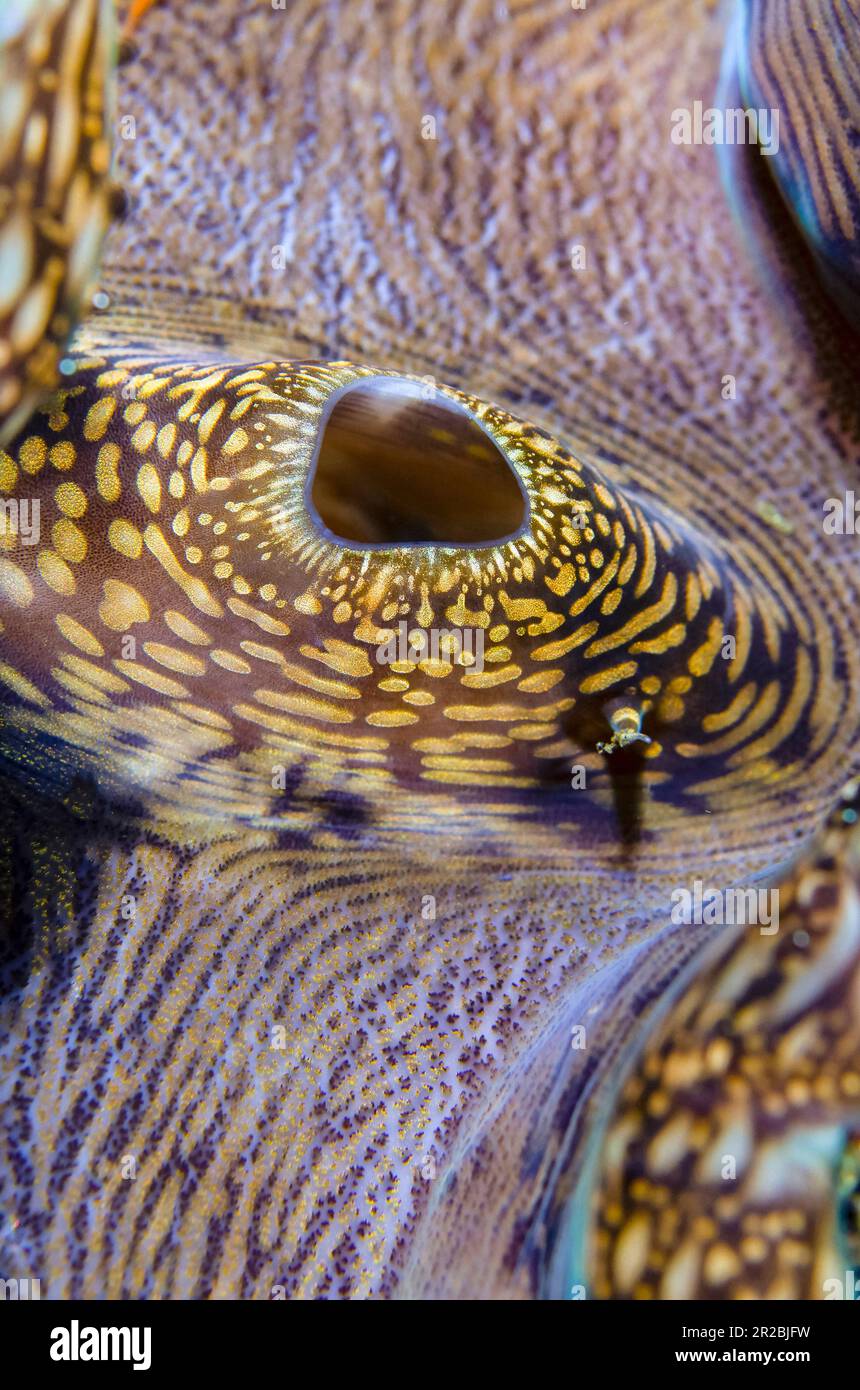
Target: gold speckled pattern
(54, 191)
(705, 1189)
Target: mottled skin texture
(757, 1059)
(417, 1121)
(54, 187)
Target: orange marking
(137, 11)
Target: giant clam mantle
(428, 327)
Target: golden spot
(437, 670)
(86, 670)
(604, 497)
(98, 418)
(184, 628)
(273, 626)
(134, 413)
(125, 538)
(149, 486)
(713, 723)
(198, 470)
(425, 612)
(78, 635)
(181, 523)
(650, 685)
(797, 1091)
(670, 1144)
(32, 454)
(532, 732)
(153, 680)
(223, 569)
(235, 443)
(518, 609)
(82, 689)
(70, 499)
(419, 697)
(603, 679)
(682, 1069)
(56, 573)
(462, 617)
(391, 718)
(202, 716)
(553, 650)
(337, 689)
(663, 642)
(563, 581)
(649, 559)
(62, 455)
(498, 633)
(341, 657)
(501, 713)
(499, 654)
(693, 599)
(628, 565)
(31, 317)
(193, 554)
(305, 705)
(21, 686)
(165, 440)
(107, 478)
(230, 662)
(122, 606)
(682, 1271)
(543, 680)
(14, 584)
(703, 657)
(548, 623)
(174, 659)
(342, 613)
(483, 680)
(367, 631)
(69, 541)
(268, 592)
(611, 601)
(553, 495)
(208, 421)
(8, 472)
(394, 685)
(143, 437)
(256, 649)
(721, 1264)
(631, 1251)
